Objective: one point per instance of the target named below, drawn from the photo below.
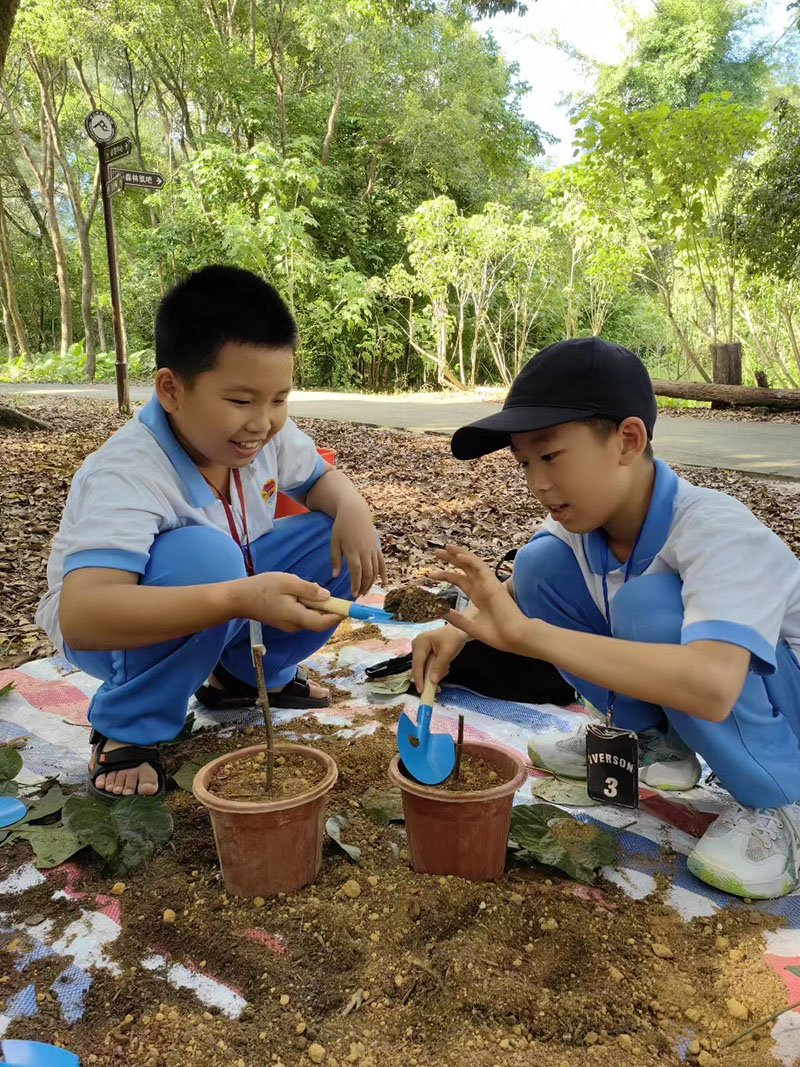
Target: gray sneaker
(750, 852)
(665, 762)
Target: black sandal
(238, 694)
(124, 758)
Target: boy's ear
(632, 437)
(169, 388)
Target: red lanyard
(248, 559)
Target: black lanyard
(244, 546)
(612, 696)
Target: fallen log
(12, 419)
(738, 395)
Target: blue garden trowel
(428, 757)
(35, 1054)
(11, 811)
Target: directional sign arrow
(139, 179)
(114, 185)
(118, 149)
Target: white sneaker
(665, 762)
(750, 852)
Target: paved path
(766, 448)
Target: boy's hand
(439, 648)
(498, 621)
(273, 598)
(354, 538)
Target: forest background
(372, 158)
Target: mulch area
(422, 498)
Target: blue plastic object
(368, 614)
(428, 757)
(11, 810)
(36, 1054)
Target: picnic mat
(48, 706)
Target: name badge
(612, 765)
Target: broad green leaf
(50, 803)
(333, 828)
(383, 807)
(52, 845)
(125, 834)
(548, 835)
(10, 763)
(562, 791)
(6, 689)
(794, 970)
(184, 776)
(7, 788)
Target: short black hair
(213, 306)
(603, 428)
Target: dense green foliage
(371, 158)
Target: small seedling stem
(259, 652)
(459, 748)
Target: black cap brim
(494, 432)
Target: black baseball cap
(580, 378)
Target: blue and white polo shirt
(741, 583)
(141, 483)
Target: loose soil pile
(377, 966)
(412, 603)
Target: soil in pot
(245, 779)
(474, 775)
(412, 603)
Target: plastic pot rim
(261, 807)
(480, 796)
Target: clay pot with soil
(267, 808)
(461, 827)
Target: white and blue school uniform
(704, 568)
(140, 504)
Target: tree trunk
(11, 419)
(727, 368)
(7, 278)
(741, 395)
(331, 127)
(8, 10)
(83, 220)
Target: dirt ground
(377, 966)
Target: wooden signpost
(102, 129)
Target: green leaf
(334, 827)
(51, 802)
(794, 970)
(567, 791)
(184, 776)
(548, 835)
(7, 788)
(10, 763)
(125, 834)
(383, 807)
(6, 689)
(52, 845)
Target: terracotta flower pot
(268, 846)
(464, 834)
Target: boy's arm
(101, 609)
(703, 678)
(353, 535)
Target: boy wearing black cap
(669, 606)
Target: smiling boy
(668, 605)
(168, 543)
